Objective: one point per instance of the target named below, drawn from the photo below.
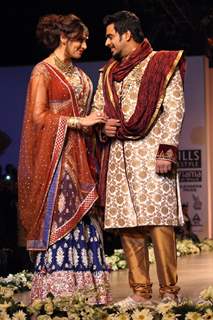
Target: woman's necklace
(66, 68)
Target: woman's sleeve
(38, 98)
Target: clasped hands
(110, 125)
(93, 118)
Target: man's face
(115, 42)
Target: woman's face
(75, 48)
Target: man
(141, 92)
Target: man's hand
(110, 127)
(163, 166)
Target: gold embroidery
(106, 79)
(169, 154)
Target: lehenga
(57, 188)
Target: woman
(57, 188)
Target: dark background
(169, 24)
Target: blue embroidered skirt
(74, 263)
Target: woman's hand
(93, 118)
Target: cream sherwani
(135, 194)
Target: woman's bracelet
(74, 122)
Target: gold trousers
(134, 242)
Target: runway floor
(195, 273)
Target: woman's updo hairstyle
(51, 26)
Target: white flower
(114, 267)
(19, 315)
(44, 317)
(169, 316)
(4, 316)
(4, 306)
(204, 247)
(113, 261)
(207, 294)
(144, 314)
(208, 314)
(17, 281)
(193, 316)
(119, 252)
(165, 307)
(122, 316)
(29, 285)
(73, 316)
(37, 304)
(111, 317)
(122, 264)
(185, 247)
(151, 255)
(207, 245)
(49, 307)
(6, 292)
(9, 278)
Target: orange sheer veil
(43, 137)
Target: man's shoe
(168, 297)
(129, 303)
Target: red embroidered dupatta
(50, 100)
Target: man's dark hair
(125, 21)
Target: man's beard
(117, 56)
